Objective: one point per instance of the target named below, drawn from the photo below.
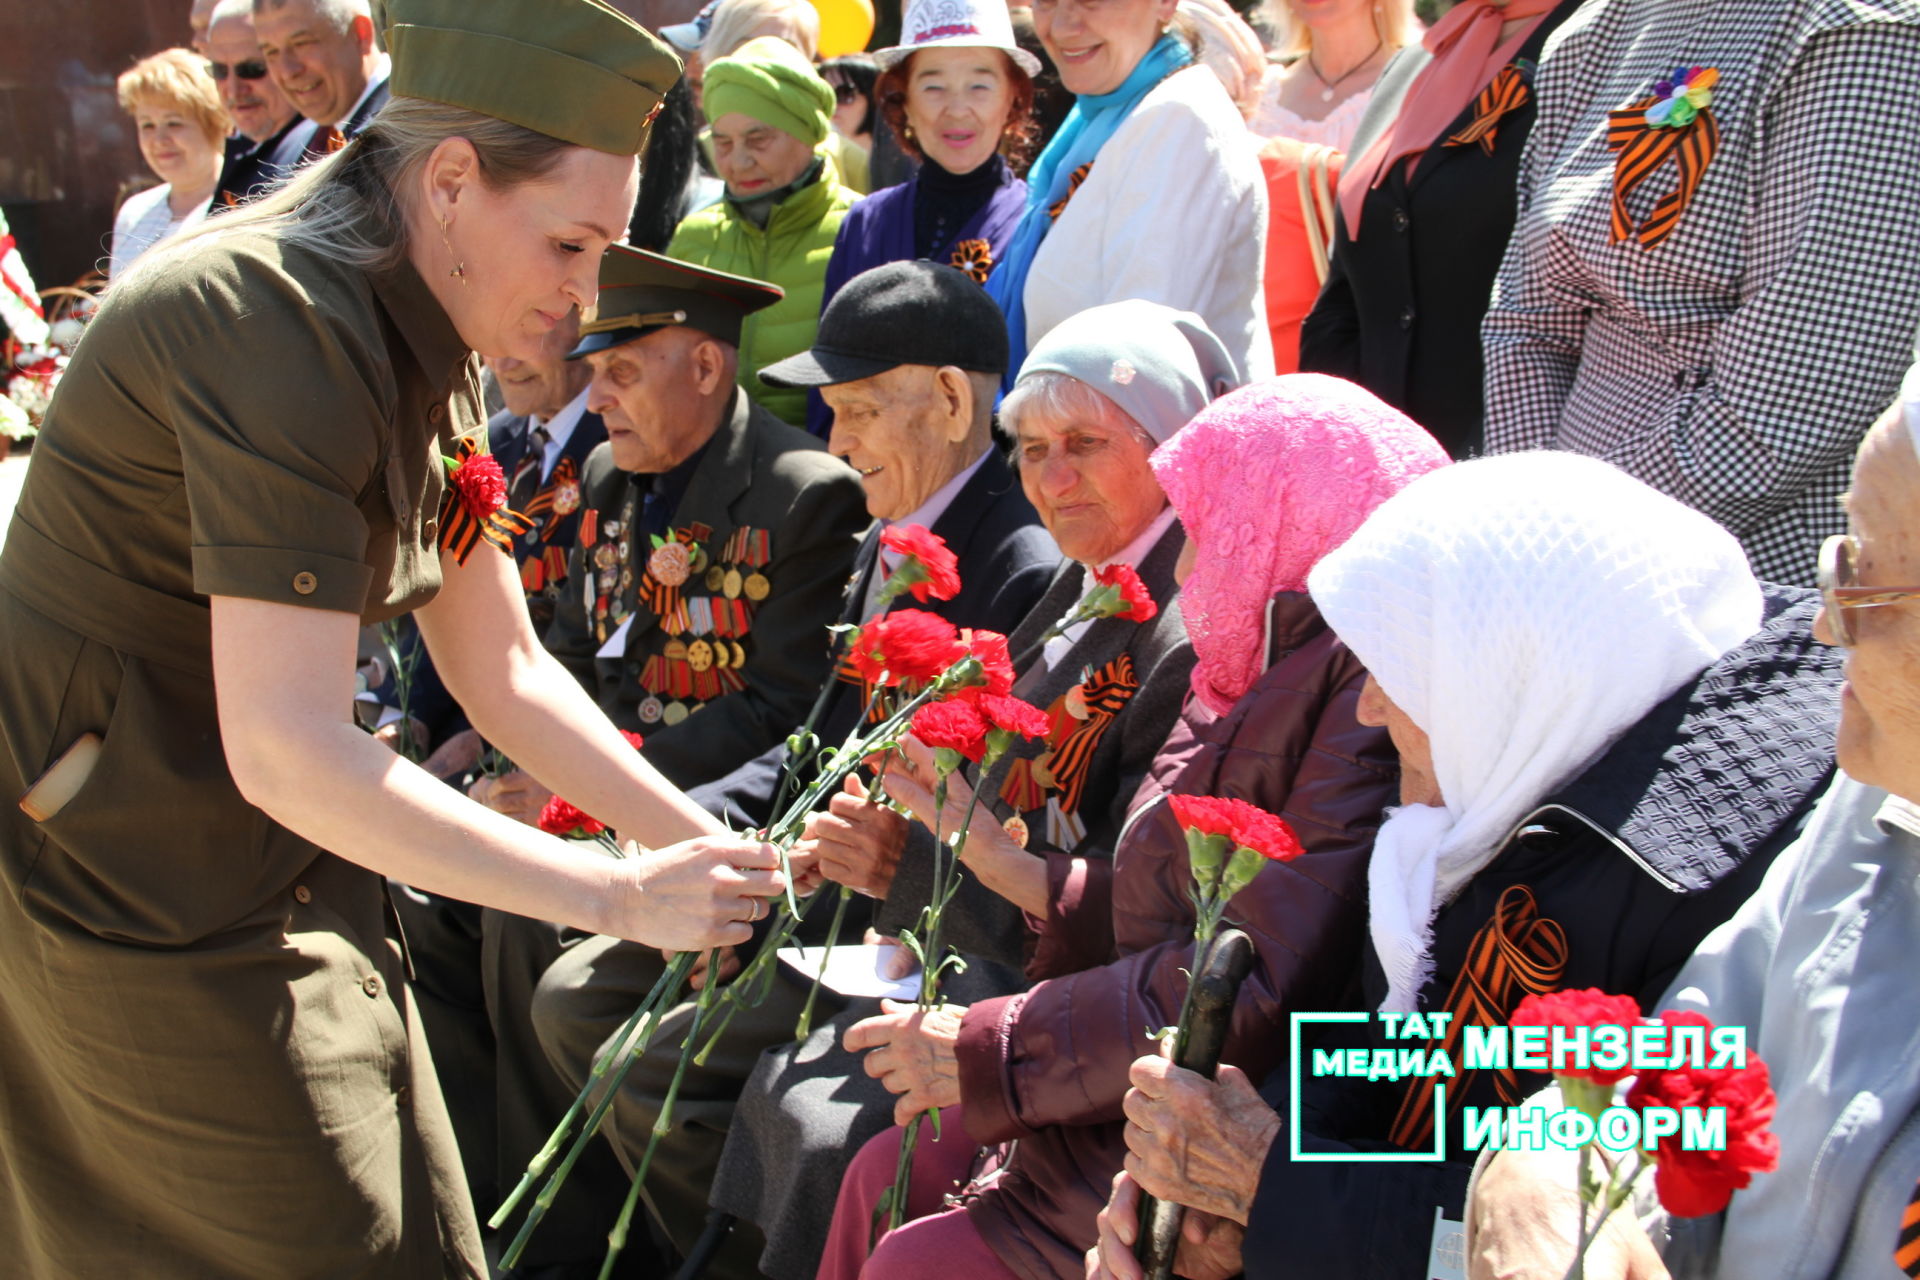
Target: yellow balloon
(845, 26)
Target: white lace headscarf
(1524, 611)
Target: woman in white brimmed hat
(958, 94)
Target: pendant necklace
(1327, 87)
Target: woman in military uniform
(209, 1065)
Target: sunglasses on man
(251, 69)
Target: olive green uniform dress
(209, 1063)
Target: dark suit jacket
(508, 437)
(1401, 310)
(368, 109)
(250, 169)
(757, 473)
(1006, 561)
(981, 921)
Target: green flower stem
(665, 994)
(902, 1175)
(804, 1027)
(617, 1238)
(1618, 1191)
(545, 1156)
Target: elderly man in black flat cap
(909, 355)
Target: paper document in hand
(852, 970)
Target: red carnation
(634, 740)
(955, 725)
(1012, 715)
(938, 577)
(1264, 833)
(996, 663)
(481, 483)
(1693, 1184)
(907, 646)
(1589, 1007)
(1136, 602)
(1209, 815)
(561, 819)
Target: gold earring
(459, 271)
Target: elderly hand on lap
(856, 842)
(911, 1052)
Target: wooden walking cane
(1215, 988)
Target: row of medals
(701, 654)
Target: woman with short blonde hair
(182, 130)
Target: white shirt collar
(1900, 815)
(937, 503)
(559, 431)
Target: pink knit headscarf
(1267, 480)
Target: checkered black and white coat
(1736, 364)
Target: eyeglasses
(251, 69)
(1839, 593)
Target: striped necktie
(326, 140)
(1906, 1254)
(526, 472)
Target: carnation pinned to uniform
(1117, 592)
(475, 505)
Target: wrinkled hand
(695, 895)
(910, 780)
(456, 757)
(897, 962)
(515, 794)
(912, 1055)
(1209, 1246)
(729, 965)
(1197, 1142)
(1523, 1222)
(858, 843)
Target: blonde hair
(176, 78)
(1393, 19)
(348, 207)
(737, 21)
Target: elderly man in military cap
(910, 355)
(713, 547)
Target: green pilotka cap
(642, 292)
(577, 70)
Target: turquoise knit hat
(770, 80)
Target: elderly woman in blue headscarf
(1152, 156)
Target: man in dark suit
(910, 355)
(269, 135)
(323, 56)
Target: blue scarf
(1094, 119)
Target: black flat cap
(641, 292)
(900, 313)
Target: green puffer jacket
(792, 252)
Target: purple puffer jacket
(1048, 1067)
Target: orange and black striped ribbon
(1514, 955)
(540, 507)
(1059, 206)
(1643, 149)
(1072, 741)
(975, 257)
(1506, 94)
(462, 529)
(1906, 1255)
